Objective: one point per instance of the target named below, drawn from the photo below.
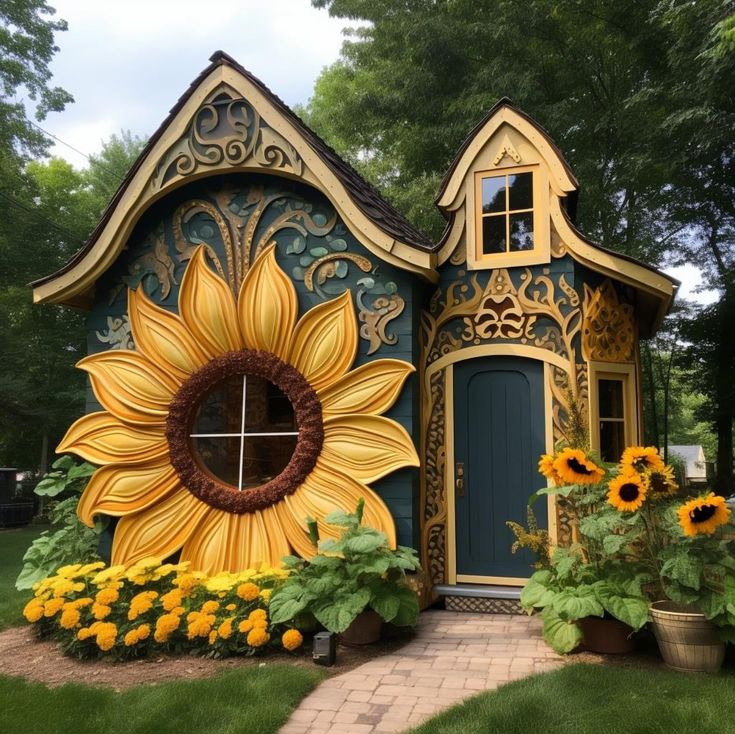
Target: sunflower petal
(229, 542)
(130, 386)
(268, 306)
(326, 490)
(162, 336)
(119, 489)
(159, 530)
(370, 389)
(102, 439)
(367, 447)
(294, 525)
(208, 308)
(325, 342)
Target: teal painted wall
(153, 259)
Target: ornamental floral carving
(608, 333)
(148, 474)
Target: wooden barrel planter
(687, 640)
(607, 636)
(364, 630)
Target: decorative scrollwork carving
(607, 333)
(118, 334)
(376, 317)
(226, 131)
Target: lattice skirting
(482, 605)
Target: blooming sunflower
(703, 515)
(151, 474)
(627, 491)
(662, 481)
(642, 458)
(546, 468)
(573, 467)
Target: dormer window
(511, 226)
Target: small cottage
(270, 339)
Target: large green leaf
(385, 602)
(632, 610)
(684, 567)
(366, 541)
(576, 603)
(535, 593)
(408, 607)
(561, 635)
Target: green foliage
(356, 572)
(597, 699)
(69, 540)
(257, 699)
(13, 544)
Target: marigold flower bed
(124, 612)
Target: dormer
(499, 189)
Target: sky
(126, 62)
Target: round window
(244, 431)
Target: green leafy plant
(358, 571)
(69, 540)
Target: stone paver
(453, 656)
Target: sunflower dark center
(575, 465)
(702, 514)
(629, 492)
(183, 411)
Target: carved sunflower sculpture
(232, 421)
(573, 466)
(703, 515)
(627, 491)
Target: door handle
(459, 480)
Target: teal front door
(498, 437)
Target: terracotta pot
(687, 641)
(609, 636)
(364, 630)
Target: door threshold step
(481, 598)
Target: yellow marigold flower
(248, 591)
(141, 603)
(209, 607)
(68, 572)
(101, 611)
(225, 629)
(641, 458)
(627, 491)
(663, 482)
(106, 634)
(107, 596)
(292, 639)
(64, 586)
(265, 594)
(212, 637)
(220, 582)
(113, 573)
(33, 611)
(89, 567)
(165, 625)
(257, 637)
(703, 515)
(245, 626)
(69, 617)
(231, 607)
(573, 467)
(172, 599)
(52, 606)
(257, 614)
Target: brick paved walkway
(452, 657)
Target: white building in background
(695, 463)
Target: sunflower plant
(358, 571)
(635, 540)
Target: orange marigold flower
(107, 596)
(33, 611)
(172, 599)
(101, 611)
(209, 607)
(165, 625)
(291, 639)
(245, 626)
(52, 606)
(257, 637)
(106, 634)
(141, 603)
(248, 591)
(225, 629)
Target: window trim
(626, 373)
(541, 251)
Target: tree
(637, 94)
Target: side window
(611, 413)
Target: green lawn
(591, 699)
(255, 700)
(13, 545)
